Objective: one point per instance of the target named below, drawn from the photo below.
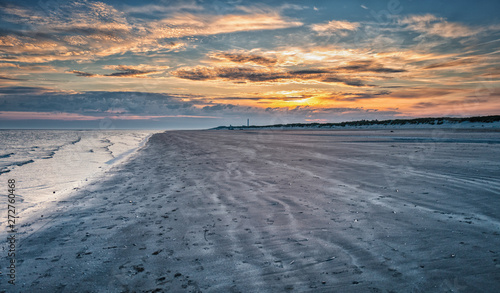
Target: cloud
(132, 71)
(88, 30)
(138, 67)
(351, 97)
(114, 105)
(338, 56)
(22, 115)
(249, 74)
(433, 104)
(218, 107)
(423, 92)
(8, 78)
(140, 71)
(7, 65)
(18, 115)
(244, 58)
(274, 106)
(368, 66)
(162, 9)
(266, 9)
(323, 103)
(345, 81)
(340, 27)
(239, 98)
(229, 73)
(23, 90)
(451, 30)
(348, 74)
(95, 103)
(87, 16)
(306, 110)
(293, 7)
(80, 16)
(325, 114)
(432, 25)
(190, 24)
(451, 63)
(82, 73)
(415, 19)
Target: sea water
(47, 164)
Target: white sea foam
(49, 164)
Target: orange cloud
(335, 27)
(186, 24)
(7, 65)
(235, 23)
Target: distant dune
(431, 122)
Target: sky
(161, 64)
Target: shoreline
(34, 204)
(267, 211)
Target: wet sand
(275, 211)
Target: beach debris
(139, 268)
(79, 255)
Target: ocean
(49, 164)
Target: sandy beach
(278, 211)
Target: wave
(22, 163)
(35, 153)
(52, 152)
(106, 140)
(4, 171)
(76, 141)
